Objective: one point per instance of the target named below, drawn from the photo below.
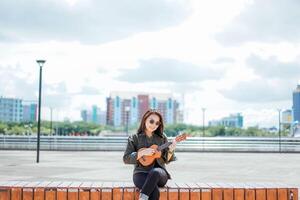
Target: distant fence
(192, 144)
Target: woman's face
(152, 123)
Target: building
(11, 110)
(30, 112)
(95, 115)
(215, 123)
(109, 111)
(143, 104)
(84, 115)
(296, 104)
(123, 107)
(233, 120)
(16, 110)
(287, 117)
(179, 116)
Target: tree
(3, 128)
(232, 131)
(16, 130)
(216, 131)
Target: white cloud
(169, 70)
(268, 21)
(273, 68)
(224, 60)
(17, 83)
(260, 90)
(84, 66)
(274, 81)
(92, 21)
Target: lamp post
(279, 129)
(51, 109)
(203, 128)
(40, 63)
(203, 125)
(127, 108)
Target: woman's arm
(168, 155)
(130, 154)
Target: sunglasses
(151, 121)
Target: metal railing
(192, 144)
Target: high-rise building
(95, 112)
(296, 104)
(123, 104)
(133, 111)
(30, 112)
(11, 110)
(233, 120)
(287, 117)
(125, 118)
(109, 111)
(179, 116)
(95, 115)
(84, 115)
(143, 106)
(117, 111)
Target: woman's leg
(139, 179)
(156, 177)
(155, 194)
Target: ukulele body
(148, 160)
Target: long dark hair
(160, 129)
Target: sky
(226, 56)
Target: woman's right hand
(146, 152)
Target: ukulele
(149, 159)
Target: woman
(149, 178)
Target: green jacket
(140, 140)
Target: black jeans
(149, 182)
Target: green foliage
(252, 131)
(230, 131)
(16, 130)
(77, 128)
(174, 129)
(213, 131)
(3, 128)
(83, 128)
(216, 131)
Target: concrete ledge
(43, 190)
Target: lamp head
(40, 62)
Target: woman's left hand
(173, 145)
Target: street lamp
(203, 127)
(279, 129)
(40, 63)
(127, 108)
(51, 109)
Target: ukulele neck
(162, 147)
